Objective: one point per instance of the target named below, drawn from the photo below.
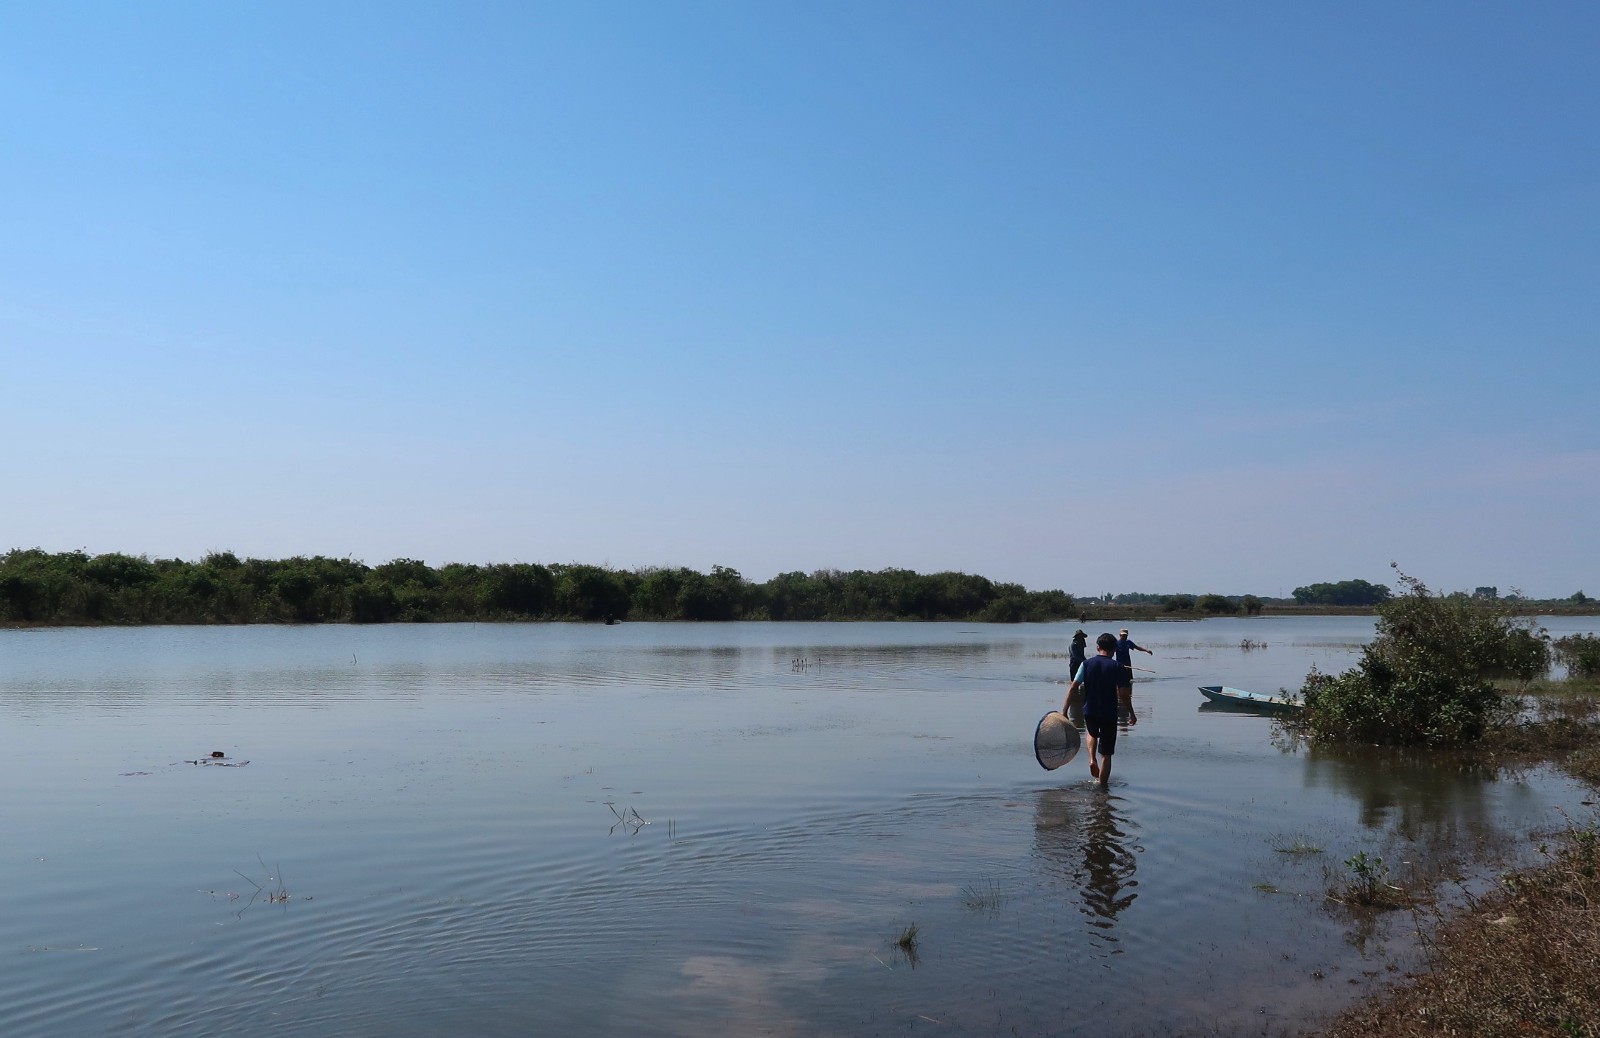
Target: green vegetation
(38, 587)
(1344, 593)
(1580, 654)
(1347, 596)
(1296, 846)
(1369, 876)
(1427, 677)
(907, 943)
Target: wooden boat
(1254, 702)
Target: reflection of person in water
(1109, 862)
(1089, 843)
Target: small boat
(1238, 699)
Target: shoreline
(1523, 958)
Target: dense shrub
(1580, 654)
(1425, 679)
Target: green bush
(1580, 654)
(1425, 677)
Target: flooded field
(673, 829)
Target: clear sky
(1107, 297)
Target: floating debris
(217, 759)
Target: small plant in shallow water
(1369, 886)
(1297, 846)
(907, 943)
(984, 896)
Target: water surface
(690, 829)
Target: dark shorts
(1104, 730)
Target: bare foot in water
(1094, 769)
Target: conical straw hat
(1055, 741)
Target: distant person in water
(1077, 653)
(1125, 649)
(1102, 699)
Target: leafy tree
(590, 592)
(401, 572)
(373, 601)
(22, 593)
(1425, 678)
(519, 589)
(116, 571)
(297, 587)
(657, 595)
(791, 596)
(1344, 593)
(1217, 604)
(714, 597)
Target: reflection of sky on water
(449, 795)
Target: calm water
(679, 830)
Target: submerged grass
(1298, 846)
(982, 896)
(906, 944)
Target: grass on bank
(1524, 960)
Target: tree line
(1362, 593)
(38, 587)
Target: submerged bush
(1425, 679)
(1580, 654)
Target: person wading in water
(1102, 698)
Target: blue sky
(1105, 297)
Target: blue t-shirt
(1125, 649)
(1100, 676)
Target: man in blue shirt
(1125, 649)
(1102, 698)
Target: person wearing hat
(1125, 649)
(1076, 654)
